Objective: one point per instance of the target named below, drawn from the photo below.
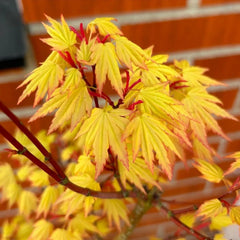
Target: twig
(60, 176)
(180, 224)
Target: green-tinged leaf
(210, 171)
(129, 53)
(103, 129)
(105, 58)
(235, 214)
(151, 135)
(116, 211)
(104, 26)
(71, 106)
(210, 208)
(45, 79)
(62, 37)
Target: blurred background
(206, 32)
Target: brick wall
(206, 32)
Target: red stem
(189, 230)
(33, 139)
(60, 177)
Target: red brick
(221, 68)
(227, 97)
(34, 10)
(173, 190)
(42, 123)
(10, 95)
(233, 146)
(186, 34)
(209, 2)
(229, 125)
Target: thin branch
(33, 139)
(180, 224)
(60, 178)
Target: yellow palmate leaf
(188, 219)
(73, 79)
(61, 234)
(129, 53)
(42, 230)
(24, 230)
(42, 136)
(62, 37)
(105, 58)
(202, 151)
(103, 129)
(48, 198)
(116, 211)
(104, 26)
(201, 105)
(84, 53)
(13, 192)
(210, 208)
(82, 223)
(71, 201)
(137, 172)
(27, 203)
(84, 165)
(70, 106)
(210, 171)
(235, 214)
(219, 236)
(39, 178)
(220, 221)
(195, 75)
(7, 176)
(45, 79)
(156, 102)
(150, 134)
(236, 164)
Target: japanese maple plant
(106, 156)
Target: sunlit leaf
(235, 214)
(45, 79)
(42, 230)
(61, 36)
(210, 171)
(105, 58)
(104, 26)
(116, 211)
(70, 106)
(150, 134)
(188, 219)
(137, 172)
(103, 129)
(129, 53)
(210, 208)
